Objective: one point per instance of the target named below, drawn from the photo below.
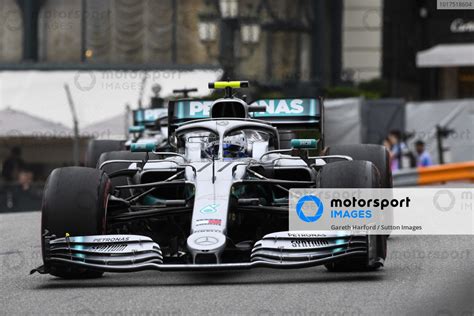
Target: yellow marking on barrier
(448, 172)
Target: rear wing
(293, 117)
(182, 111)
(146, 117)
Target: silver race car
(217, 201)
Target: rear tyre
(112, 167)
(74, 202)
(95, 148)
(376, 154)
(355, 174)
(349, 174)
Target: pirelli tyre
(95, 148)
(355, 174)
(74, 203)
(376, 154)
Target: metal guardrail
(462, 171)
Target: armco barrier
(462, 171)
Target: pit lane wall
(356, 120)
(421, 119)
(361, 121)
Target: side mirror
(142, 147)
(304, 143)
(173, 141)
(136, 129)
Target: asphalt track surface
(428, 275)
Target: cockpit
(225, 139)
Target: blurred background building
(362, 40)
(317, 45)
(246, 38)
(428, 53)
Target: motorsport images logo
(312, 202)
(401, 211)
(310, 208)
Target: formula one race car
(218, 201)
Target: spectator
(423, 158)
(12, 165)
(25, 196)
(401, 156)
(396, 148)
(388, 145)
(25, 179)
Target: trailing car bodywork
(149, 126)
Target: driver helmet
(235, 146)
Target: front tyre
(74, 202)
(355, 174)
(376, 154)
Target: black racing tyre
(355, 174)
(349, 174)
(95, 148)
(376, 154)
(74, 202)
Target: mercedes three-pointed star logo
(206, 241)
